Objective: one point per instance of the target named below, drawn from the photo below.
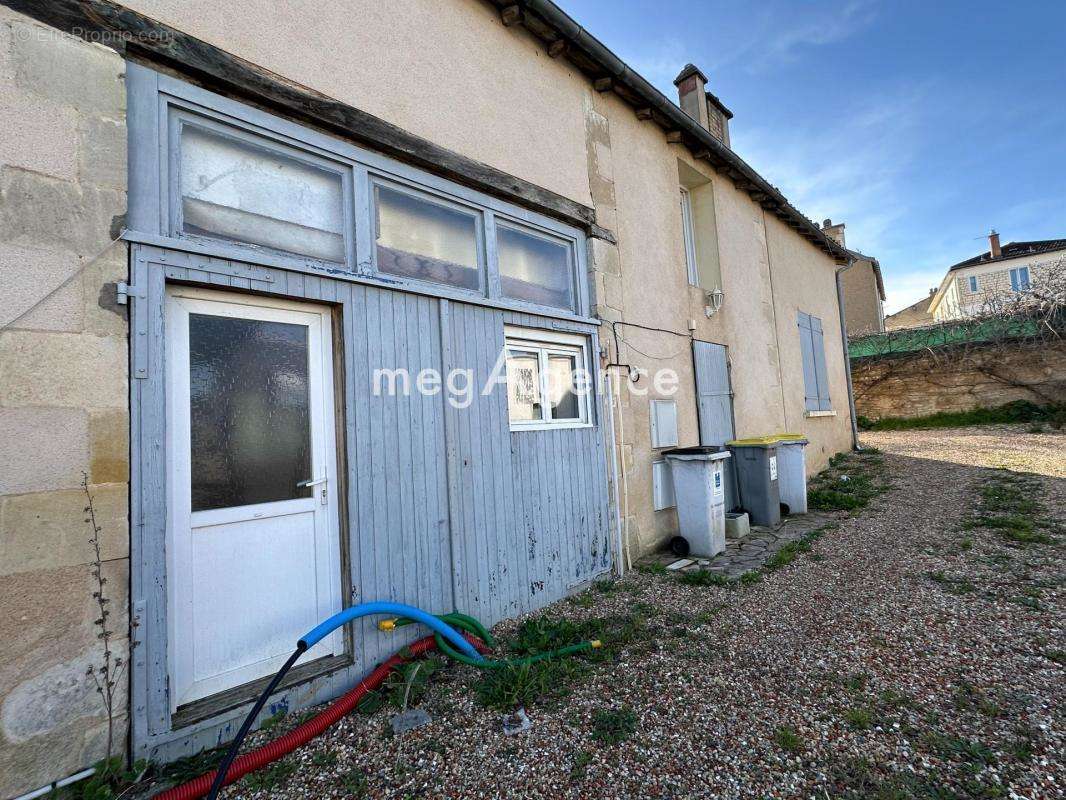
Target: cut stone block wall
(63, 394)
(923, 383)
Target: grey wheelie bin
(755, 461)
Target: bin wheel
(679, 546)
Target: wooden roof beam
(557, 48)
(510, 15)
(603, 84)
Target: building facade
(977, 285)
(864, 288)
(309, 322)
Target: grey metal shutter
(714, 402)
(818, 346)
(714, 396)
(810, 374)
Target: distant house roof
(877, 270)
(915, 315)
(1013, 250)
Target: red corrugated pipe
(272, 751)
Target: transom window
(428, 239)
(548, 380)
(239, 183)
(243, 188)
(534, 266)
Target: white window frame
(973, 283)
(1019, 279)
(689, 235)
(544, 344)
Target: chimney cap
(688, 71)
(827, 223)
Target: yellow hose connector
(596, 643)
(387, 625)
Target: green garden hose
(465, 622)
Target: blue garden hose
(313, 637)
(319, 632)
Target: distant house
(864, 288)
(916, 315)
(970, 286)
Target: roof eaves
(564, 35)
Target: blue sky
(921, 125)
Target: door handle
(316, 482)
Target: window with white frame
(973, 283)
(1019, 279)
(690, 237)
(548, 380)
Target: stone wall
(63, 394)
(925, 382)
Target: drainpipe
(847, 358)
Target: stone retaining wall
(925, 382)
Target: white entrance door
(253, 554)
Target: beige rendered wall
(450, 72)
(63, 394)
(862, 303)
(767, 272)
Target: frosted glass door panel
(249, 411)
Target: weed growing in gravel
(859, 718)
(1010, 504)
(526, 684)
(272, 722)
(653, 568)
(850, 482)
(265, 780)
(750, 577)
(324, 758)
(856, 681)
(613, 726)
(702, 577)
(354, 782)
(956, 748)
(956, 586)
(582, 759)
(788, 740)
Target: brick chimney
(834, 232)
(701, 105)
(993, 244)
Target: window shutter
(810, 379)
(818, 347)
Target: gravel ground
(850, 673)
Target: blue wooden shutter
(810, 378)
(818, 348)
